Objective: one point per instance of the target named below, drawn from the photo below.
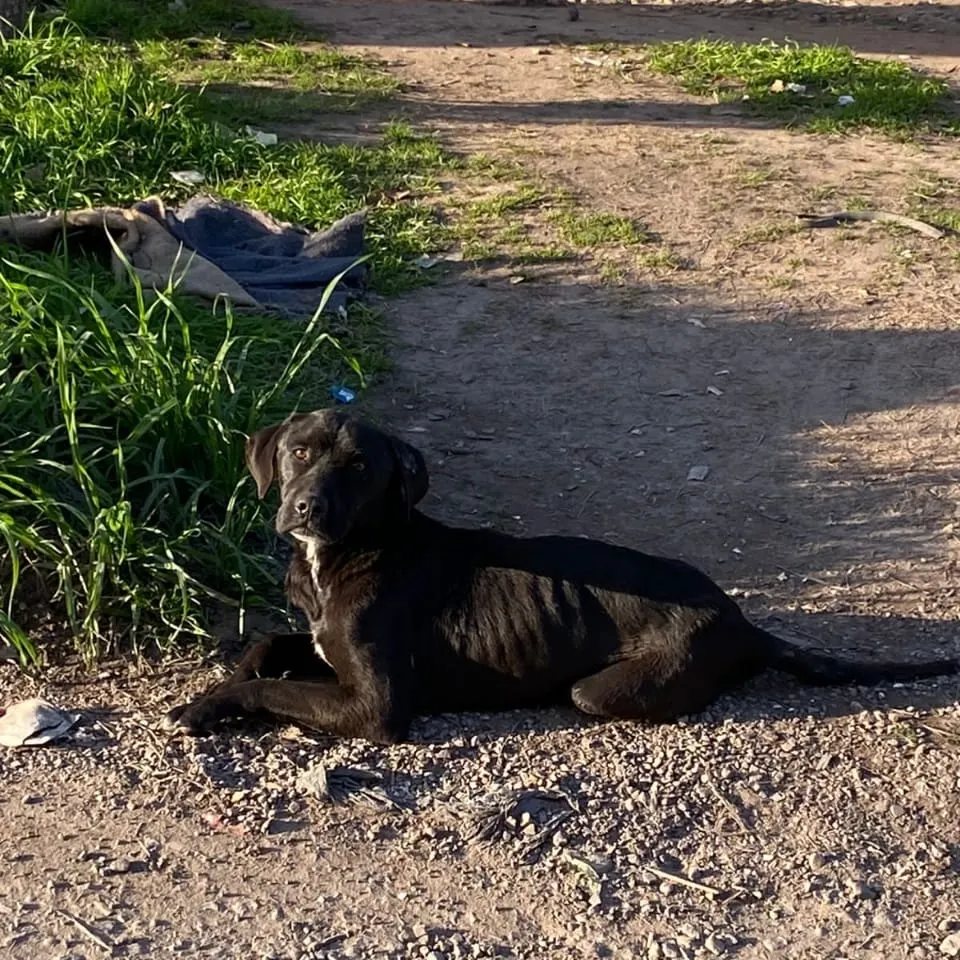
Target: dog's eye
(358, 464)
(301, 453)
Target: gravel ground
(779, 823)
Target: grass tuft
(936, 199)
(888, 96)
(599, 229)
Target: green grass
(659, 259)
(506, 224)
(936, 199)
(124, 510)
(524, 197)
(527, 225)
(262, 82)
(241, 55)
(147, 19)
(599, 229)
(888, 95)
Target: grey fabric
(283, 267)
(141, 242)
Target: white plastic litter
(262, 137)
(845, 100)
(192, 178)
(33, 723)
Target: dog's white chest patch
(322, 595)
(311, 551)
(318, 650)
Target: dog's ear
(261, 452)
(261, 456)
(411, 470)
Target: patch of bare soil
(813, 373)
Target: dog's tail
(822, 670)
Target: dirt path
(571, 403)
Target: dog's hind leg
(645, 688)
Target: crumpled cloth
(212, 248)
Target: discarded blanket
(212, 248)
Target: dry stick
(734, 812)
(813, 220)
(684, 881)
(88, 931)
(940, 732)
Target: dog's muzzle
(310, 516)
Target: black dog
(410, 616)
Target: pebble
(713, 944)
(863, 891)
(950, 945)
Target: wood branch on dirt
(816, 220)
(703, 888)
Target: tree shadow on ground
(591, 406)
(874, 29)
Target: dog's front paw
(197, 717)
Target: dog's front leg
(275, 655)
(373, 702)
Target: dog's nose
(301, 506)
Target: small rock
(863, 891)
(950, 945)
(698, 472)
(713, 945)
(120, 867)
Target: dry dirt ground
(810, 823)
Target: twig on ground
(88, 931)
(812, 221)
(734, 812)
(703, 888)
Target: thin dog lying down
(409, 616)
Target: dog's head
(337, 474)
